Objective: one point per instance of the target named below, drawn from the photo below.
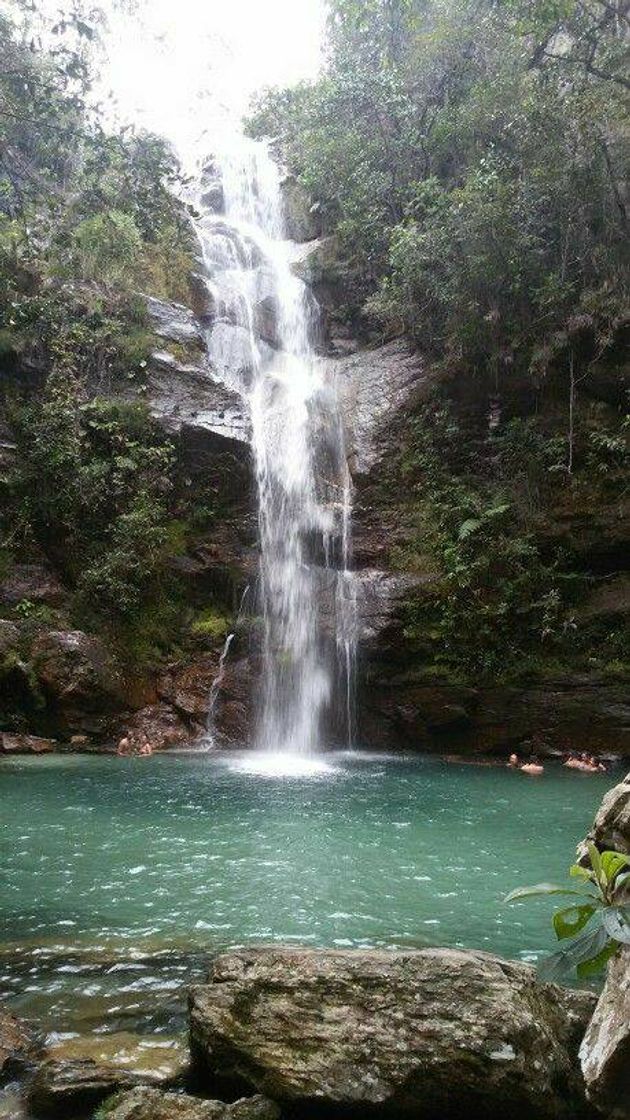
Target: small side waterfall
(261, 344)
(216, 688)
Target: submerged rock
(18, 1044)
(63, 1089)
(423, 1034)
(151, 1104)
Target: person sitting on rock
(124, 746)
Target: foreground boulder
(605, 1051)
(68, 1088)
(423, 1034)
(151, 1104)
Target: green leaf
(543, 889)
(583, 949)
(612, 863)
(596, 864)
(468, 528)
(596, 964)
(578, 872)
(622, 882)
(616, 920)
(570, 921)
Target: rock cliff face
(59, 682)
(423, 1034)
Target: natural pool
(119, 876)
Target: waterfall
(261, 344)
(215, 689)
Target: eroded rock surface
(160, 726)
(78, 678)
(611, 827)
(32, 583)
(424, 1034)
(375, 385)
(151, 1104)
(605, 1051)
(74, 1088)
(25, 744)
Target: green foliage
(210, 624)
(471, 160)
(76, 202)
(93, 478)
(108, 247)
(495, 598)
(604, 906)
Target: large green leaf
(543, 889)
(570, 921)
(613, 863)
(616, 920)
(596, 864)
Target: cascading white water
(260, 344)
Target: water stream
(261, 344)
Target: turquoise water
(120, 875)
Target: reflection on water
(121, 876)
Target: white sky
(182, 67)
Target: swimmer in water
(533, 767)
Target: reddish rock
(234, 709)
(78, 678)
(187, 687)
(158, 725)
(188, 690)
(33, 582)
